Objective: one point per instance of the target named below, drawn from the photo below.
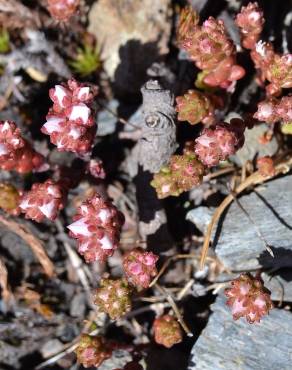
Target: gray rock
(253, 147)
(201, 217)
(52, 347)
(107, 121)
(78, 305)
(118, 360)
(133, 35)
(229, 345)
(237, 244)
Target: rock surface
(227, 344)
(237, 244)
(253, 147)
(132, 35)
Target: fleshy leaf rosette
(248, 298)
(167, 331)
(217, 143)
(266, 166)
(140, 267)
(44, 200)
(92, 350)
(62, 10)
(113, 297)
(182, 173)
(210, 48)
(71, 120)
(250, 20)
(274, 110)
(195, 107)
(97, 227)
(273, 67)
(16, 153)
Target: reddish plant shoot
(195, 107)
(16, 153)
(167, 331)
(62, 10)
(266, 166)
(273, 67)
(71, 120)
(95, 168)
(140, 267)
(248, 298)
(274, 110)
(44, 200)
(250, 20)
(182, 174)
(92, 351)
(97, 226)
(217, 143)
(113, 297)
(210, 47)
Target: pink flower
(273, 110)
(44, 200)
(140, 267)
(62, 10)
(248, 298)
(210, 48)
(250, 20)
(71, 121)
(97, 228)
(95, 168)
(217, 143)
(16, 153)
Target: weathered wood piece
(237, 243)
(229, 345)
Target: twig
(175, 309)
(254, 179)
(6, 293)
(218, 173)
(185, 289)
(34, 243)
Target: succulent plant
(167, 331)
(248, 298)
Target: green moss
(87, 60)
(4, 41)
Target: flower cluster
(210, 48)
(71, 121)
(183, 172)
(97, 228)
(44, 200)
(92, 350)
(217, 143)
(248, 298)
(266, 166)
(274, 110)
(140, 267)
(195, 107)
(273, 67)
(113, 297)
(62, 10)
(167, 331)
(15, 152)
(250, 20)
(9, 199)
